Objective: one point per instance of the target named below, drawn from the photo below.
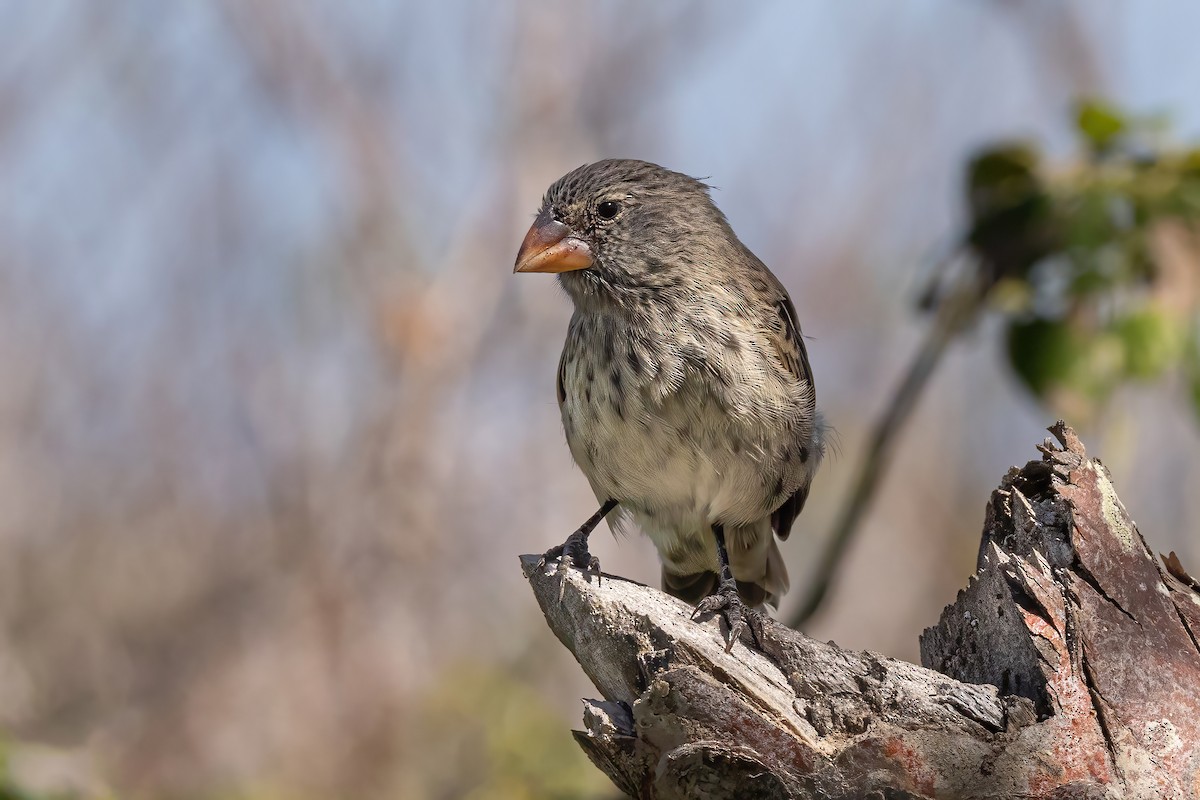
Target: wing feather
(788, 342)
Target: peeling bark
(1068, 668)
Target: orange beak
(550, 247)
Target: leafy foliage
(1095, 267)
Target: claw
(735, 633)
(564, 566)
(549, 555)
(571, 553)
(710, 604)
(593, 568)
(727, 601)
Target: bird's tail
(760, 572)
(775, 576)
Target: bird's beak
(550, 247)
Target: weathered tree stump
(1068, 668)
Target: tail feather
(689, 588)
(775, 579)
(769, 584)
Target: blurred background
(276, 418)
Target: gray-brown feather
(684, 384)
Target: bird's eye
(608, 209)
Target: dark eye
(608, 209)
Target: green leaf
(1089, 220)
(1152, 341)
(1002, 165)
(1100, 123)
(1042, 352)
(1012, 216)
(1059, 361)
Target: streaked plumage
(684, 384)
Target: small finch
(684, 384)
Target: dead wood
(1068, 668)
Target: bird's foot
(737, 614)
(571, 553)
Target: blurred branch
(1031, 698)
(953, 317)
(1093, 270)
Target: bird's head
(620, 225)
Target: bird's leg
(574, 551)
(726, 599)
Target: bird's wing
(788, 342)
(783, 330)
(560, 390)
(783, 517)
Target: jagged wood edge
(804, 718)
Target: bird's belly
(677, 466)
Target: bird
(684, 385)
